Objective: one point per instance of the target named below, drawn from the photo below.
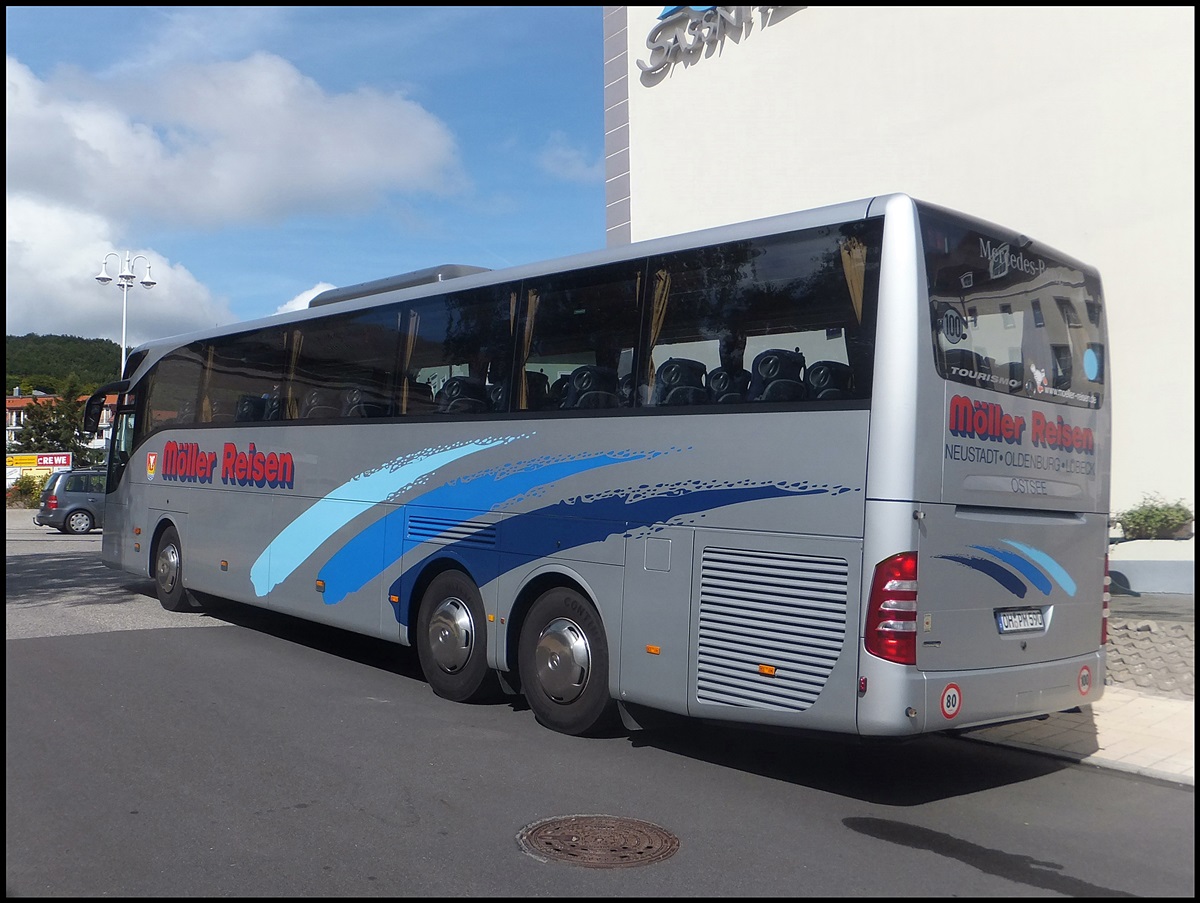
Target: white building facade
(1073, 125)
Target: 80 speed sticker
(951, 701)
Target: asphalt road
(245, 753)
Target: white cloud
(216, 143)
(300, 302)
(570, 164)
(53, 256)
(201, 146)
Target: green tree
(57, 426)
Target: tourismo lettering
(984, 420)
(254, 468)
(1058, 434)
(184, 462)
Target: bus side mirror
(95, 405)
(91, 414)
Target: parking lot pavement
(1145, 722)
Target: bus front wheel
(168, 573)
(563, 661)
(452, 640)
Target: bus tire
(452, 639)
(563, 661)
(168, 573)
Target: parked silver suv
(73, 501)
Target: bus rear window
(1008, 317)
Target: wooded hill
(47, 363)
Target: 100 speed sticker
(1085, 680)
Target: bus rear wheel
(168, 574)
(452, 640)
(563, 661)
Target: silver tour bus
(843, 470)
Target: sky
(255, 156)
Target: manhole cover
(598, 841)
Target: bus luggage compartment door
(1004, 587)
(656, 621)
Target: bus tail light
(891, 632)
(1106, 598)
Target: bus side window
(357, 403)
(728, 385)
(462, 395)
(558, 391)
(778, 375)
(318, 404)
(592, 387)
(456, 352)
(680, 381)
(218, 413)
(414, 397)
(576, 333)
(273, 406)
(250, 408)
(537, 390)
(827, 380)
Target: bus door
(117, 545)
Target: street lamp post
(125, 280)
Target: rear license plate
(1018, 620)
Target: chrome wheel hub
(563, 660)
(167, 568)
(451, 634)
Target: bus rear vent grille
(422, 528)
(771, 627)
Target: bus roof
(449, 277)
(391, 283)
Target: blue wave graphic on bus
(368, 554)
(611, 515)
(620, 511)
(1057, 571)
(1017, 573)
(303, 536)
(300, 539)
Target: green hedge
(1155, 518)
